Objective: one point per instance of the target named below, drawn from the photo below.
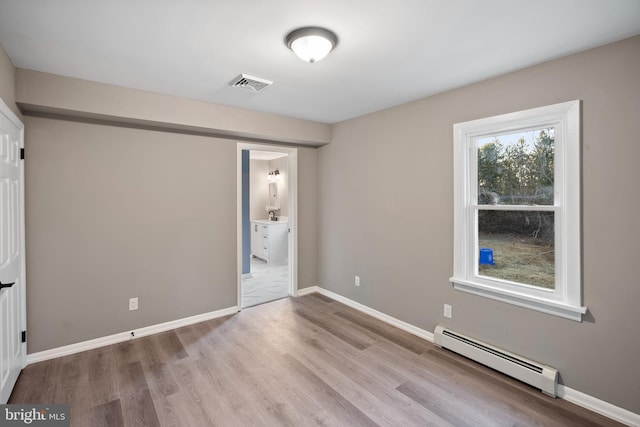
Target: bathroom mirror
(274, 203)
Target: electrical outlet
(133, 303)
(447, 311)
(357, 281)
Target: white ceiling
(389, 52)
(265, 155)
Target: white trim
(308, 290)
(292, 188)
(6, 111)
(125, 336)
(535, 208)
(240, 243)
(23, 250)
(599, 406)
(292, 199)
(419, 332)
(565, 299)
(550, 307)
(563, 392)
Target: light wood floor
(296, 362)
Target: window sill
(545, 306)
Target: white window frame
(566, 298)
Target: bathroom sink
(261, 221)
(281, 219)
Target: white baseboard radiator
(518, 367)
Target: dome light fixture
(311, 44)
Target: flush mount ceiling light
(311, 44)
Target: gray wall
(113, 213)
(119, 210)
(307, 217)
(259, 188)
(282, 165)
(386, 214)
(42, 92)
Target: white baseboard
(422, 333)
(574, 396)
(308, 290)
(600, 406)
(125, 336)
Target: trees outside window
(517, 169)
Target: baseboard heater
(520, 368)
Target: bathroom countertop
(267, 221)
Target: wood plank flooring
(294, 362)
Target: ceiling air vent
(250, 83)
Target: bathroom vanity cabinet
(269, 241)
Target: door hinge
(22, 154)
(24, 336)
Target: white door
(12, 274)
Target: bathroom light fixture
(311, 44)
(273, 175)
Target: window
(517, 209)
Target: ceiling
(265, 155)
(388, 52)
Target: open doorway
(266, 224)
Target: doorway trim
(292, 196)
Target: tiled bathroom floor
(268, 283)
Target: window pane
(521, 244)
(516, 168)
